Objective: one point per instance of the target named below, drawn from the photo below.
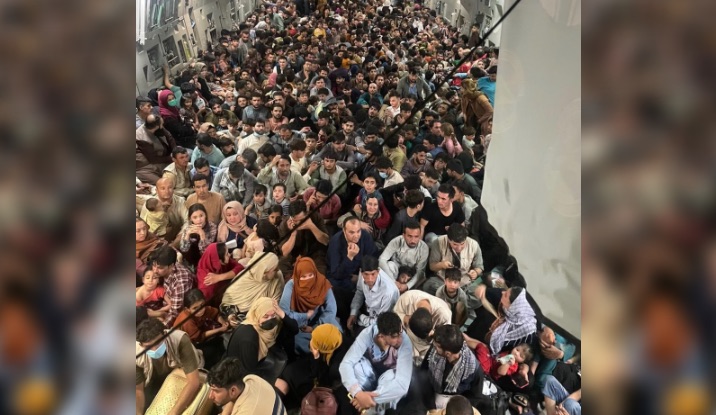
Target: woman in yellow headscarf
(320, 368)
(263, 340)
(261, 278)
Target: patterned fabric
(519, 322)
(463, 368)
(177, 284)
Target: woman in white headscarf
(261, 278)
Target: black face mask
(269, 324)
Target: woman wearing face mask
(169, 110)
(264, 340)
(309, 300)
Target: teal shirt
(214, 158)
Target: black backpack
(490, 399)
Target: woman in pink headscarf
(169, 110)
(214, 271)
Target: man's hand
(311, 201)
(357, 208)
(294, 197)
(275, 161)
(472, 274)
(366, 226)
(447, 265)
(353, 250)
(351, 321)
(306, 225)
(312, 167)
(363, 400)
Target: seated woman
(215, 269)
(234, 229)
(197, 235)
(264, 238)
(263, 279)
(146, 243)
(515, 322)
(374, 218)
(319, 368)
(152, 296)
(264, 341)
(309, 300)
(204, 327)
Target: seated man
(453, 296)
(279, 171)
(172, 204)
(212, 201)
(323, 167)
(159, 359)
(376, 370)
(441, 214)
(414, 200)
(375, 293)
(201, 165)
(454, 250)
(406, 250)
(563, 391)
(205, 148)
(235, 183)
(178, 171)
(309, 239)
(452, 366)
(239, 393)
(420, 313)
(345, 158)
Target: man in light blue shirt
(487, 84)
(375, 290)
(376, 370)
(205, 148)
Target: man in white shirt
(385, 169)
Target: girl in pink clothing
(451, 144)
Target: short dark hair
(199, 177)
(282, 185)
(442, 157)
(456, 166)
(203, 139)
(389, 323)
(227, 373)
(447, 189)
(453, 274)
(458, 405)
(469, 130)
(449, 337)
(412, 183)
(383, 163)
(298, 145)
(164, 256)
(324, 187)
(236, 169)
(432, 173)
(411, 224)
(276, 209)
(375, 149)
(413, 198)
(296, 207)
(201, 162)
(194, 295)
(267, 150)
(457, 232)
(149, 330)
(461, 186)
(259, 189)
(329, 154)
(421, 323)
(369, 263)
(178, 150)
(492, 70)
(143, 100)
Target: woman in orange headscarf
(308, 299)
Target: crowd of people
(308, 215)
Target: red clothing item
(490, 364)
(157, 296)
(195, 327)
(210, 263)
(384, 221)
(329, 211)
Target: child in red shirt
(504, 364)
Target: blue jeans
(554, 390)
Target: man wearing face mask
(160, 359)
(154, 147)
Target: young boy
(259, 207)
(456, 298)
(157, 218)
(279, 197)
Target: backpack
(491, 400)
(319, 401)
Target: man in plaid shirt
(178, 280)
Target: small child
(203, 327)
(504, 364)
(279, 197)
(152, 295)
(275, 215)
(370, 186)
(405, 275)
(468, 139)
(157, 218)
(259, 207)
(454, 296)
